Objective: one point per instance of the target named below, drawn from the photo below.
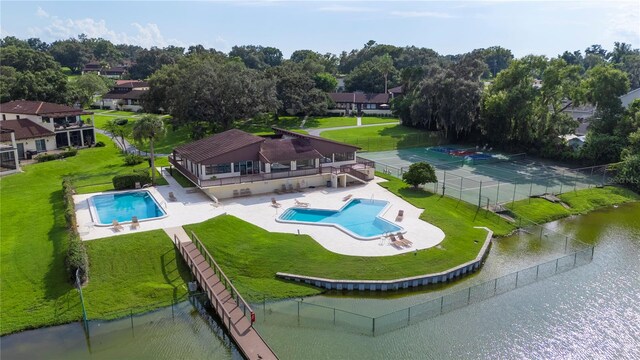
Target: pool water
(123, 206)
(358, 218)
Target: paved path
(250, 343)
(128, 147)
(316, 132)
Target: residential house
(575, 141)
(125, 95)
(8, 152)
(113, 72)
(235, 163)
(353, 103)
(40, 126)
(630, 97)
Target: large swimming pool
(123, 206)
(358, 218)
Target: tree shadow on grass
(175, 270)
(57, 281)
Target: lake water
(590, 312)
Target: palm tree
(149, 128)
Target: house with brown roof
(39, 126)
(234, 162)
(9, 163)
(125, 95)
(353, 103)
(112, 72)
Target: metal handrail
(212, 295)
(218, 271)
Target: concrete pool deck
(194, 207)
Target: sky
(448, 27)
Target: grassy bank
(133, 270)
(35, 291)
(383, 137)
(251, 255)
(580, 202)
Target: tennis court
(487, 178)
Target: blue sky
(449, 27)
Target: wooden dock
(236, 314)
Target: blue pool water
(123, 206)
(358, 217)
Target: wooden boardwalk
(235, 313)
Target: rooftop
(40, 108)
(23, 129)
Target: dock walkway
(233, 310)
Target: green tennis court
(489, 178)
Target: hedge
(77, 257)
(133, 159)
(48, 157)
(128, 181)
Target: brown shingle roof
(275, 150)
(23, 129)
(133, 94)
(217, 145)
(359, 98)
(39, 108)
(324, 146)
(131, 83)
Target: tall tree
(87, 86)
(384, 64)
(149, 128)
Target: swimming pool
(358, 218)
(123, 206)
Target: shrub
(77, 258)
(48, 157)
(133, 159)
(100, 144)
(121, 121)
(128, 181)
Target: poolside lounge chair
(134, 222)
(283, 188)
(301, 203)
(274, 203)
(298, 189)
(400, 215)
(137, 185)
(290, 188)
(116, 225)
(172, 197)
(401, 238)
(395, 242)
(347, 197)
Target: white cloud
(145, 35)
(346, 9)
(41, 13)
(624, 22)
(417, 14)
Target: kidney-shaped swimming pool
(358, 218)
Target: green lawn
(384, 137)
(133, 270)
(580, 202)
(251, 255)
(35, 291)
(370, 120)
(181, 179)
(329, 122)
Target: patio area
(193, 207)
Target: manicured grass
(329, 122)
(35, 289)
(370, 120)
(181, 179)
(133, 270)
(251, 255)
(383, 137)
(263, 126)
(580, 202)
